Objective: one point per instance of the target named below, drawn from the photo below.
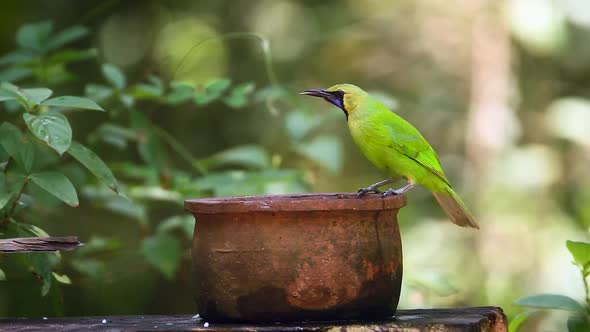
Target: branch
(14, 204)
(28, 244)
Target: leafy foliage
(42, 163)
(580, 313)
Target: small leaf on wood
(62, 278)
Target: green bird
(396, 147)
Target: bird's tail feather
(454, 207)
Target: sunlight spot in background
(286, 24)
(538, 24)
(531, 167)
(176, 39)
(569, 118)
(578, 11)
(128, 48)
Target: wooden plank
(29, 244)
(485, 319)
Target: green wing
(409, 142)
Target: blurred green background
(500, 88)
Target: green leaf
(51, 127)
(17, 146)
(66, 36)
(2, 275)
(235, 183)
(186, 223)
(580, 251)
(5, 197)
(239, 95)
(73, 102)
(298, 124)
(90, 267)
(154, 90)
(94, 164)
(520, 319)
(181, 92)
(66, 56)
(217, 87)
(163, 251)
(213, 90)
(149, 144)
(114, 75)
(577, 324)
(27, 230)
(113, 134)
(40, 263)
(6, 96)
(325, 150)
(127, 100)
(62, 278)
(98, 92)
(551, 301)
(251, 156)
(37, 95)
(18, 56)
(10, 91)
(34, 35)
(13, 74)
(98, 244)
(58, 185)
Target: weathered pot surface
(297, 257)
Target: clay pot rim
(295, 202)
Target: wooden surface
(488, 319)
(29, 244)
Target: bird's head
(345, 96)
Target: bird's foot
(391, 192)
(363, 191)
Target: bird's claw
(390, 192)
(363, 191)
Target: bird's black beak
(317, 93)
(334, 97)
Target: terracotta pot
(297, 257)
